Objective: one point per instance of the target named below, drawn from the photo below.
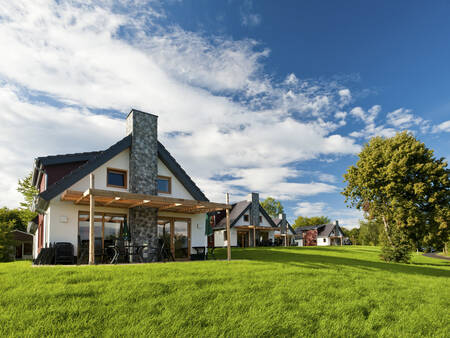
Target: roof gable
(96, 159)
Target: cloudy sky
(251, 96)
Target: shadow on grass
(321, 261)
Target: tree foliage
(26, 188)
(302, 221)
(398, 182)
(6, 240)
(272, 206)
(18, 217)
(370, 232)
(352, 234)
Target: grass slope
(334, 291)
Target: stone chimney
(143, 175)
(254, 209)
(143, 128)
(283, 224)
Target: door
(175, 234)
(242, 237)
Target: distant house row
(136, 191)
(250, 225)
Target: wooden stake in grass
(91, 222)
(228, 228)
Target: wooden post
(342, 240)
(228, 228)
(254, 236)
(91, 222)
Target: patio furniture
(200, 253)
(164, 252)
(64, 253)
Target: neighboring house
(250, 225)
(279, 233)
(135, 184)
(23, 243)
(320, 235)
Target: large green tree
(370, 232)
(397, 181)
(272, 206)
(303, 221)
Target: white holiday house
(134, 186)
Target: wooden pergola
(119, 199)
(254, 227)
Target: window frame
(169, 180)
(117, 171)
(246, 218)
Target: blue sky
(252, 96)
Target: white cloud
(403, 119)
(443, 127)
(235, 118)
(308, 209)
(248, 16)
(348, 218)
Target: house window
(108, 227)
(224, 235)
(260, 219)
(164, 184)
(324, 240)
(116, 178)
(245, 218)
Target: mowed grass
(323, 292)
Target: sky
(252, 96)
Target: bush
(6, 241)
(396, 253)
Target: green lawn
(324, 292)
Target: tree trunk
(386, 229)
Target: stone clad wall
(254, 209)
(143, 178)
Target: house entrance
(243, 239)
(175, 233)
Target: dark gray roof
(323, 230)
(22, 236)
(237, 210)
(277, 222)
(67, 158)
(96, 159)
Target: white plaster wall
(299, 242)
(68, 232)
(320, 241)
(219, 238)
(264, 223)
(120, 161)
(178, 190)
(198, 237)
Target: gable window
(260, 219)
(164, 184)
(116, 178)
(245, 218)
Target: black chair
(164, 251)
(64, 253)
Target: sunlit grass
(335, 291)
